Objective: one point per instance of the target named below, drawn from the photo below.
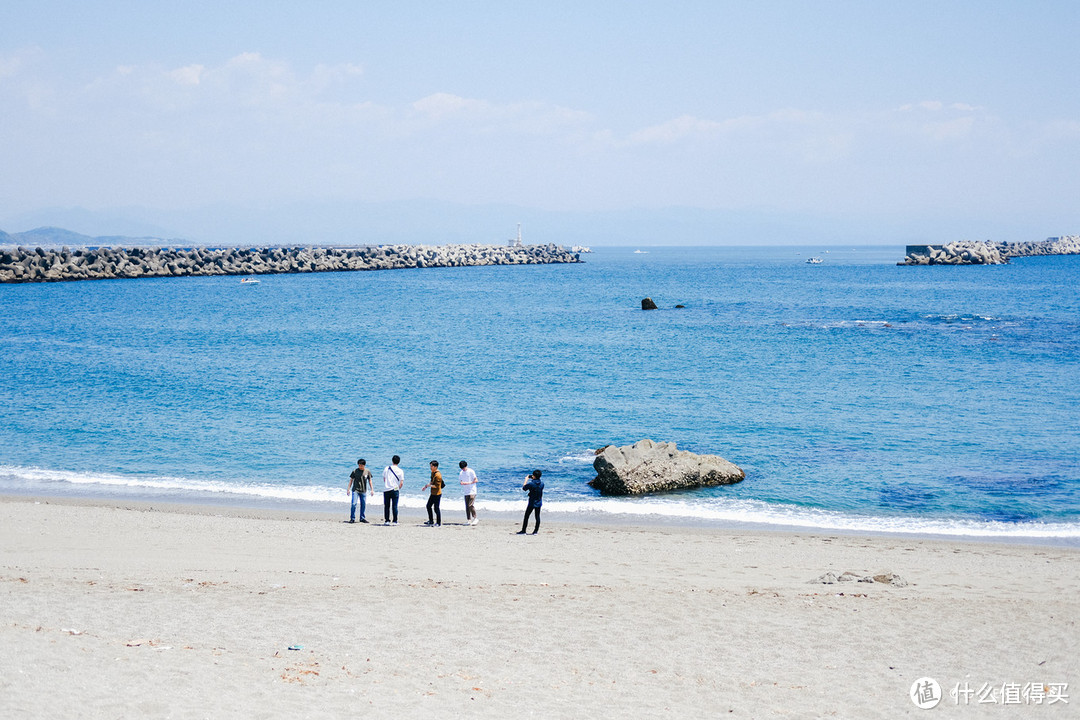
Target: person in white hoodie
(468, 481)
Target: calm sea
(856, 394)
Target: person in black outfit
(535, 487)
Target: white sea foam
(54, 479)
(725, 511)
(760, 513)
(114, 484)
(578, 457)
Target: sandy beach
(175, 611)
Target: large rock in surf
(648, 467)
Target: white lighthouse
(516, 242)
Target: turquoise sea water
(856, 394)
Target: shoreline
(328, 511)
(193, 612)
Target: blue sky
(735, 122)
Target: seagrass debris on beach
(988, 253)
(885, 578)
(648, 467)
(20, 265)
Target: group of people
(361, 485)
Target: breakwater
(1064, 245)
(19, 265)
(988, 253)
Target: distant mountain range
(429, 222)
(50, 237)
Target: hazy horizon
(698, 123)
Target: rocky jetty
(988, 253)
(648, 467)
(22, 264)
(1064, 245)
(955, 253)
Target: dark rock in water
(679, 307)
(648, 467)
(648, 304)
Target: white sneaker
(473, 521)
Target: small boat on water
(641, 252)
(814, 261)
(249, 281)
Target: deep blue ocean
(856, 395)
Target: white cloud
(21, 85)
(937, 121)
(441, 111)
(789, 136)
(444, 104)
(680, 128)
(190, 75)
(1063, 129)
(21, 63)
(256, 128)
(925, 105)
(325, 77)
(9, 66)
(252, 79)
(688, 128)
(247, 82)
(955, 129)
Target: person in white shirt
(393, 479)
(468, 481)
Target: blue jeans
(363, 506)
(389, 498)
